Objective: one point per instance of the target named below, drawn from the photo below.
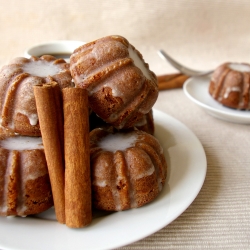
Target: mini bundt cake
(17, 101)
(24, 180)
(120, 85)
(230, 85)
(146, 123)
(128, 169)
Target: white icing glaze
(149, 172)
(159, 183)
(100, 183)
(21, 208)
(22, 143)
(4, 206)
(138, 62)
(117, 199)
(239, 67)
(109, 66)
(33, 118)
(41, 68)
(118, 141)
(229, 90)
(141, 122)
(25, 104)
(29, 171)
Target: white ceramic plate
(187, 169)
(196, 89)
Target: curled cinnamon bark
(50, 114)
(171, 81)
(77, 158)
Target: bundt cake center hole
(41, 68)
(119, 141)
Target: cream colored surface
(200, 33)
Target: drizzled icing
(22, 143)
(138, 62)
(229, 90)
(126, 54)
(141, 122)
(115, 73)
(148, 172)
(118, 141)
(33, 118)
(41, 68)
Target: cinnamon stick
(77, 158)
(171, 81)
(50, 114)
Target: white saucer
(196, 89)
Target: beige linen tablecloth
(200, 33)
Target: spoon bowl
(183, 69)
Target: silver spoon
(183, 69)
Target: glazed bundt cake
(24, 180)
(230, 85)
(17, 101)
(120, 85)
(128, 169)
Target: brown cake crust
(17, 101)
(120, 84)
(24, 182)
(127, 178)
(231, 87)
(146, 123)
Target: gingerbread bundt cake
(17, 101)
(230, 85)
(128, 169)
(24, 180)
(120, 85)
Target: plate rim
(186, 131)
(226, 114)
